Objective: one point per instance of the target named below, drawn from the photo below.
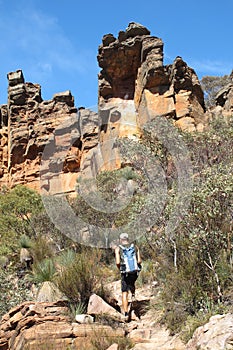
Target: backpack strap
(122, 247)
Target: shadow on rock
(140, 307)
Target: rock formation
(134, 87)
(49, 325)
(216, 334)
(28, 124)
(132, 69)
(223, 102)
(36, 326)
(224, 98)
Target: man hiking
(128, 261)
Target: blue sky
(55, 43)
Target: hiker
(128, 261)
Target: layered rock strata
(28, 125)
(132, 69)
(48, 326)
(135, 87)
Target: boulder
(82, 318)
(113, 347)
(25, 257)
(97, 306)
(217, 334)
(49, 293)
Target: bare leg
(125, 301)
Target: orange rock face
(133, 75)
(46, 144)
(29, 125)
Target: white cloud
(204, 66)
(36, 42)
(211, 67)
(36, 39)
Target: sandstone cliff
(133, 69)
(134, 88)
(28, 124)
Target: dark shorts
(128, 282)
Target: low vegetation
(198, 282)
(193, 267)
(101, 341)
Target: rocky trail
(144, 327)
(48, 325)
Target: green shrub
(81, 278)
(5, 250)
(17, 208)
(77, 309)
(174, 317)
(42, 248)
(45, 228)
(66, 258)
(195, 262)
(129, 173)
(112, 187)
(43, 271)
(148, 273)
(25, 241)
